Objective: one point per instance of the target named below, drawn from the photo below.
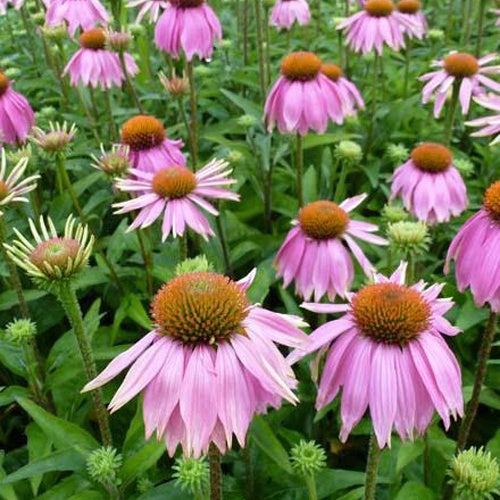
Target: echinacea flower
(388, 355)
(313, 253)
(176, 86)
(56, 139)
(379, 22)
(412, 10)
(190, 25)
(52, 257)
(347, 92)
(114, 163)
(285, 12)
(93, 64)
(178, 194)
(84, 14)
(12, 188)
(150, 149)
(16, 116)
(209, 365)
(154, 7)
(431, 187)
(303, 98)
(475, 250)
(490, 124)
(463, 70)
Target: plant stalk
(215, 473)
(194, 113)
(372, 468)
(299, 166)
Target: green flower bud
(137, 29)
(234, 157)
(6, 62)
(394, 212)
(197, 264)
(397, 153)
(48, 112)
(202, 70)
(226, 43)
(349, 151)
(191, 474)
(144, 484)
(409, 237)
(55, 34)
(20, 331)
(247, 121)
(307, 457)
(19, 154)
(464, 166)
(337, 20)
(12, 73)
(103, 464)
(435, 34)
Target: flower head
(390, 336)
(114, 163)
(154, 7)
(412, 10)
(313, 253)
(178, 194)
(490, 125)
(286, 12)
(56, 140)
(20, 331)
(103, 464)
(118, 40)
(191, 474)
(209, 365)
(175, 86)
(307, 457)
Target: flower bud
(394, 212)
(20, 331)
(197, 264)
(19, 154)
(103, 464)
(55, 34)
(397, 153)
(175, 86)
(409, 237)
(307, 457)
(435, 34)
(247, 121)
(118, 40)
(56, 139)
(114, 163)
(137, 29)
(234, 156)
(349, 152)
(464, 166)
(191, 474)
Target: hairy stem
(372, 468)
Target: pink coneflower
(93, 64)
(378, 23)
(209, 365)
(475, 250)
(154, 7)
(178, 194)
(431, 187)
(77, 13)
(303, 98)
(388, 355)
(346, 90)
(314, 255)
(190, 25)
(412, 10)
(464, 69)
(150, 149)
(490, 124)
(286, 12)
(16, 116)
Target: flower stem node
(103, 464)
(20, 331)
(191, 474)
(307, 458)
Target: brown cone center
(143, 132)
(332, 71)
(301, 66)
(4, 84)
(323, 220)
(492, 201)
(379, 8)
(94, 39)
(432, 157)
(409, 6)
(461, 65)
(56, 252)
(174, 182)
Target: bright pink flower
(412, 10)
(286, 12)
(178, 194)
(376, 24)
(77, 13)
(93, 64)
(346, 90)
(154, 7)
(190, 25)
(490, 124)
(476, 252)
(388, 355)
(209, 365)
(313, 253)
(464, 69)
(304, 99)
(431, 187)
(150, 149)
(16, 116)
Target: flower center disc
(186, 4)
(55, 251)
(174, 182)
(200, 307)
(322, 220)
(143, 132)
(4, 190)
(94, 39)
(492, 200)
(4, 84)
(390, 313)
(432, 157)
(332, 71)
(461, 65)
(379, 8)
(300, 66)
(409, 6)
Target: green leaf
(310, 184)
(9, 299)
(9, 394)
(11, 357)
(330, 481)
(39, 446)
(6, 491)
(408, 452)
(141, 461)
(167, 490)
(249, 107)
(415, 491)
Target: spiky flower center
(301, 66)
(461, 65)
(4, 190)
(492, 200)
(379, 8)
(186, 4)
(143, 132)
(94, 39)
(56, 252)
(322, 220)
(409, 6)
(200, 307)
(432, 157)
(4, 84)
(332, 71)
(174, 182)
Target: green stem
(482, 5)
(268, 189)
(311, 487)
(260, 51)
(340, 188)
(449, 20)
(410, 274)
(29, 32)
(129, 84)
(468, 22)
(268, 47)
(183, 248)
(109, 107)
(427, 460)
(318, 19)
(184, 119)
(448, 130)
(407, 68)
(372, 468)
(223, 243)
(67, 297)
(484, 354)
(299, 166)
(194, 113)
(369, 134)
(87, 112)
(215, 473)
(245, 32)
(147, 261)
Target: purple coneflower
(490, 124)
(285, 12)
(412, 10)
(154, 7)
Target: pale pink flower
(178, 194)
(314, 255)
(190, 25)
(285, 12)
(388, 355)
(93, 64)
(16, 116)
(476, 252)
(490, 124)
(431, 187)
(154, 7)
(347, 92)
(463, 70)
(209, 365)
(412, 10)
(497, 12)
(84, 14)
(150, 149)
